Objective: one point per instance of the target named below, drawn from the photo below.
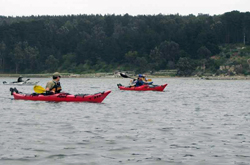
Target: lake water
(193, 122)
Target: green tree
(131, 56)
(2, 55)
(52, 63)
(203, 52)
(185, 67)
(18, 56)
(32, 55)
(165, 52)
(68, 60)
(141, 64)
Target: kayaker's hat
(56, 74)
(140, 75)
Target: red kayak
(143, 87)
(96, 98)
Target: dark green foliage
(185, 66)
(97, 43)
(51, 63)
(203, 53)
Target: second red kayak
(143, 87)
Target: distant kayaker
(20, 79)
(54, 86)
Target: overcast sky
(132, 7)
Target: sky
(120, 7)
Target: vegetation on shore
(164, 45)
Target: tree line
(103, 43)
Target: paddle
(126, 76)
(26, 80)
(39, 89)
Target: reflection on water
(191, 122)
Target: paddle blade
(149, 79)
(124, 75)
(39, 89)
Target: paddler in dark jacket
(54, 86)
(139, 81)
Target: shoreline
(108, 75)
(224, 78)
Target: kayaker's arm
(49, 86)
(48, 90)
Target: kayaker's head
(21, 76)
(56, 76)
(140, 76)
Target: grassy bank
(110, 75)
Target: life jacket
(57, 87)
(139, 83)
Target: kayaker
(20, 79)
(139, 81)
(145, 80)
(54, 86)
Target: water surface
(192, 122)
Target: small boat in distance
(22, 83)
